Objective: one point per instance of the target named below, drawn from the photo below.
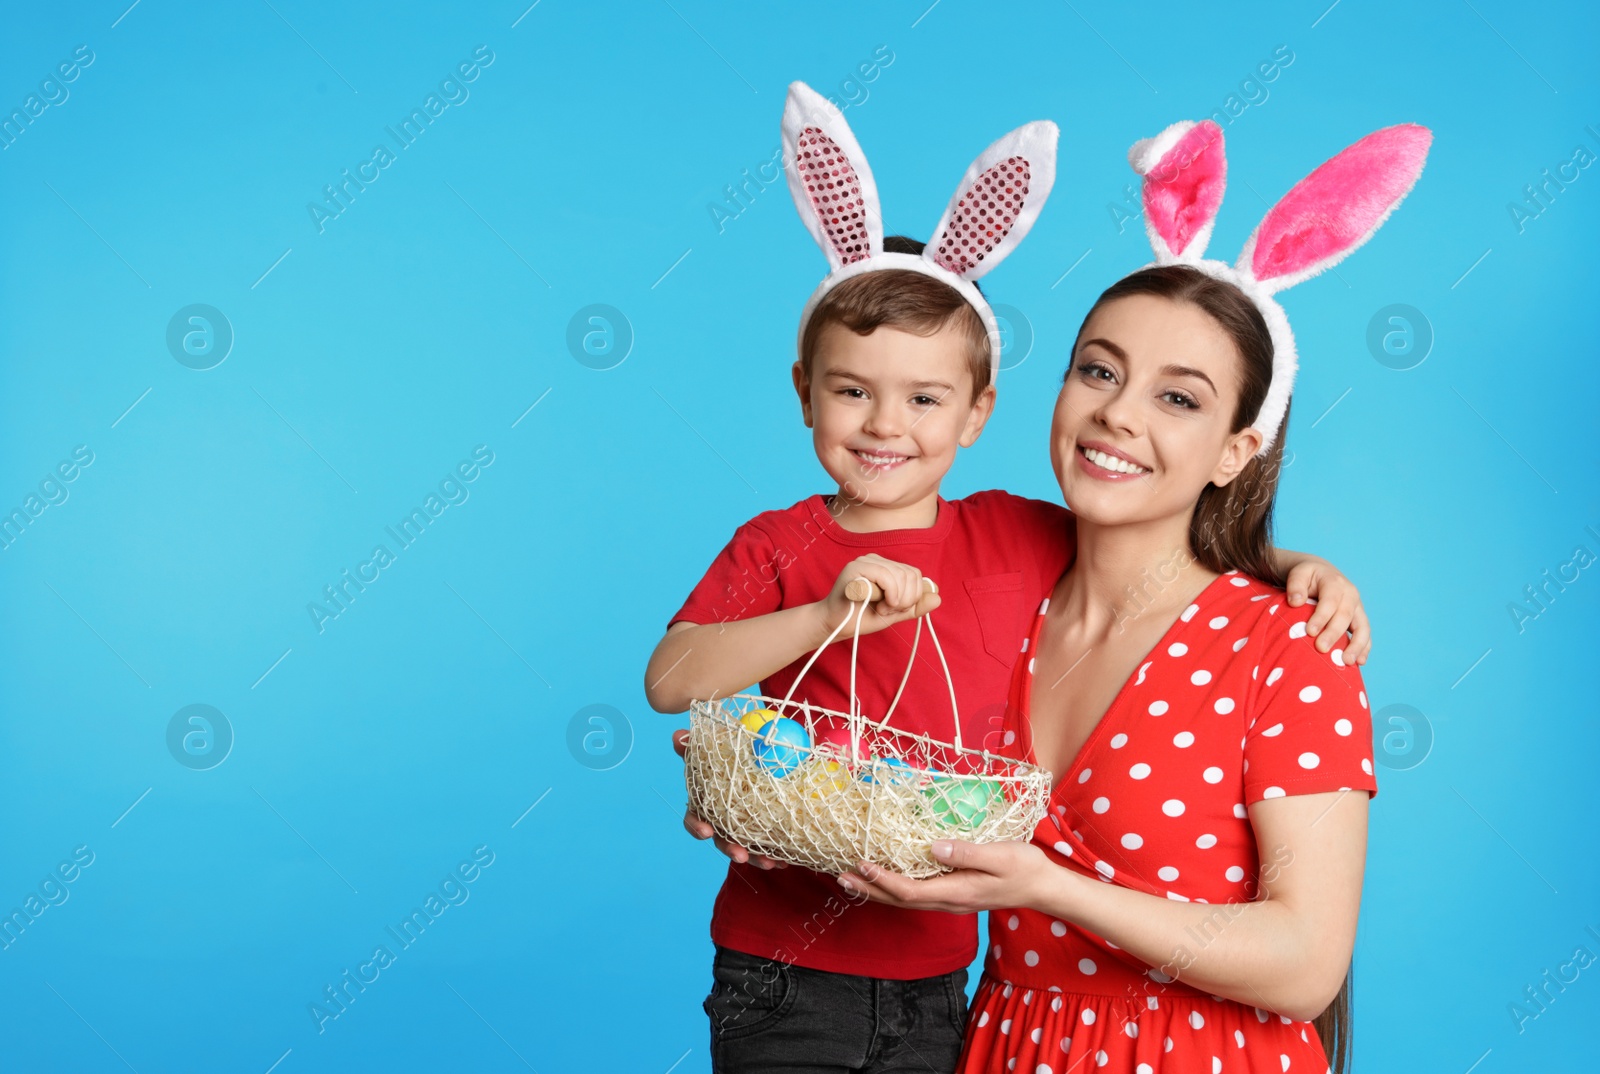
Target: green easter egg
(961, 803)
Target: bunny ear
(1336, 208)
(1185, 171)
(997, 201)
(829, 178)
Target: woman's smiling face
(1144, 419)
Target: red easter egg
(835, 735)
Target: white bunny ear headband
(994, 207)
(1319, 223)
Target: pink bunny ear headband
(993, 208)
(1319, 223)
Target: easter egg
(893, 769)
(828, 777)
(780, 745)
(756, 719)
(835, 736)
(960, 803)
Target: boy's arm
(1339, 605)
(717, 659)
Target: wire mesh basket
(825, 789)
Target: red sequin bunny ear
(994, 207)
(996, 202)
(829, 178)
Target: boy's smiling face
(887, 412)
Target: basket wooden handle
(863, 589)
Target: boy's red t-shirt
(994, 557)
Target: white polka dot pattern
(1233, 706)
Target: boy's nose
(884, 422)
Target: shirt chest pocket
(997, 601)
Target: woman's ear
(802, 387)
(1236, 455)
(978, 416)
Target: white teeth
(882, 460)
(1111, 462)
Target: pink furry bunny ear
(1185, 171)
(1336, 208)
(829, 178)
(996, 202)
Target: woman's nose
(1119, 410)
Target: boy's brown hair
(903, 299)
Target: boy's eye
(924, 400)
(853, 393)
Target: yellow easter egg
(755, 719)
(827, 778)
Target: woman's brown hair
(1231, 528)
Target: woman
(1189, 901)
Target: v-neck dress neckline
(1131, 682)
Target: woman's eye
(1180, 399)
(1094, 371)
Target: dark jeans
(773, 1017)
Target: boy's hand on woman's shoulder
(1339, 607)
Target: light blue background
(429, 316)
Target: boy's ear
(802, 387)
(1236, 455)
(978, 416)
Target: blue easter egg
(903, 774)
(781, 745)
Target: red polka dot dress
(1234, 705)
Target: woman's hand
(1339, 607)
(701, 829)
(989, 876)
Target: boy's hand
(906, 595)
(702, 830)
(1338, 607)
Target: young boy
(895, 373)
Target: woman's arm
(1288, 951)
